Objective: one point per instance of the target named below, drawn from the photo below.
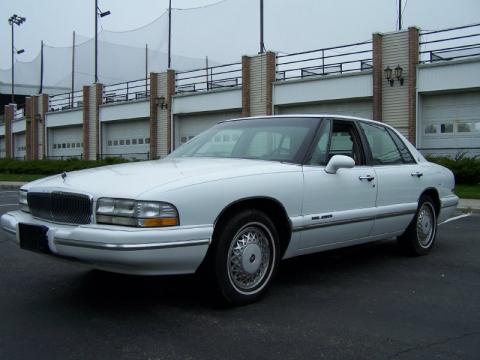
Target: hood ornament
(64, 175)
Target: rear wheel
(246, 256)
(419, 237)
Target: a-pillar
(92, 99)
(9, 114)
(258, 75)
(162, 88)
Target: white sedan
(237, 199)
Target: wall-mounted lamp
(398, 75)
(161, 102)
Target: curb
(11, 186)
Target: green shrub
(51, 167)
(466, 169)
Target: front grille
(61, 207)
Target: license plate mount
(34, 238)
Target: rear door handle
(417, 174)
(366, 177)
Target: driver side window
(339, 137)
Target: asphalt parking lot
(365, 302)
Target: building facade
(425, 84)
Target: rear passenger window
(383, 148)
(404, 152)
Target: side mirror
(339, 162)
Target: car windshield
(273, 139)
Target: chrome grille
(61, 207)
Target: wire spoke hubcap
(425, 225)
(250, 256)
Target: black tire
(419, 238)
(245, 257)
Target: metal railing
(209, 78)
(126, 91)
(327, 61)
(65, 101)
(460, 42)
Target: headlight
(22, 200)
(136, 213)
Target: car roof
(336, 116)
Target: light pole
(98, 13)
(15, 20)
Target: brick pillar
(92, 99)
(9, 113)
(413, 43)
(258, 75)
(377, 76)
(395, 98)
(245, 86)
(28, 127)
(41, 126)
(98, 101)
(86, 121)
(165, 86)
(153, 114)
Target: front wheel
(419, 237)
(246, 257)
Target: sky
(290, 25)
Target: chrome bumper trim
(129, 247)
(354, 220)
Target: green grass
(468, 191)
(20, 177)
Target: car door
(340, 207)
(400, 179)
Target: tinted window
(383, 148)
(404, 152)
(319, 155)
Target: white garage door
(359, 108)
(131, 139)
(450, 123)
(189, 126)
(19, 145)
(65, 141)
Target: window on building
(147, 140)
(430, 129)
(134, 141)
(122, 142)
(127, 142)
(446, 128)
(115, 142)
(109, 143)
(140, 141)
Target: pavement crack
(432, 344)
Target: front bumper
(154, 251)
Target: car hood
(131, 180)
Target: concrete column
(377, 76)
(9, 113)
(161, 113)
(258, 75)
(92, 99)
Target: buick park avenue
(237, 199)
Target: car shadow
(117, 291)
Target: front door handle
(417, 174)
(366, 177)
